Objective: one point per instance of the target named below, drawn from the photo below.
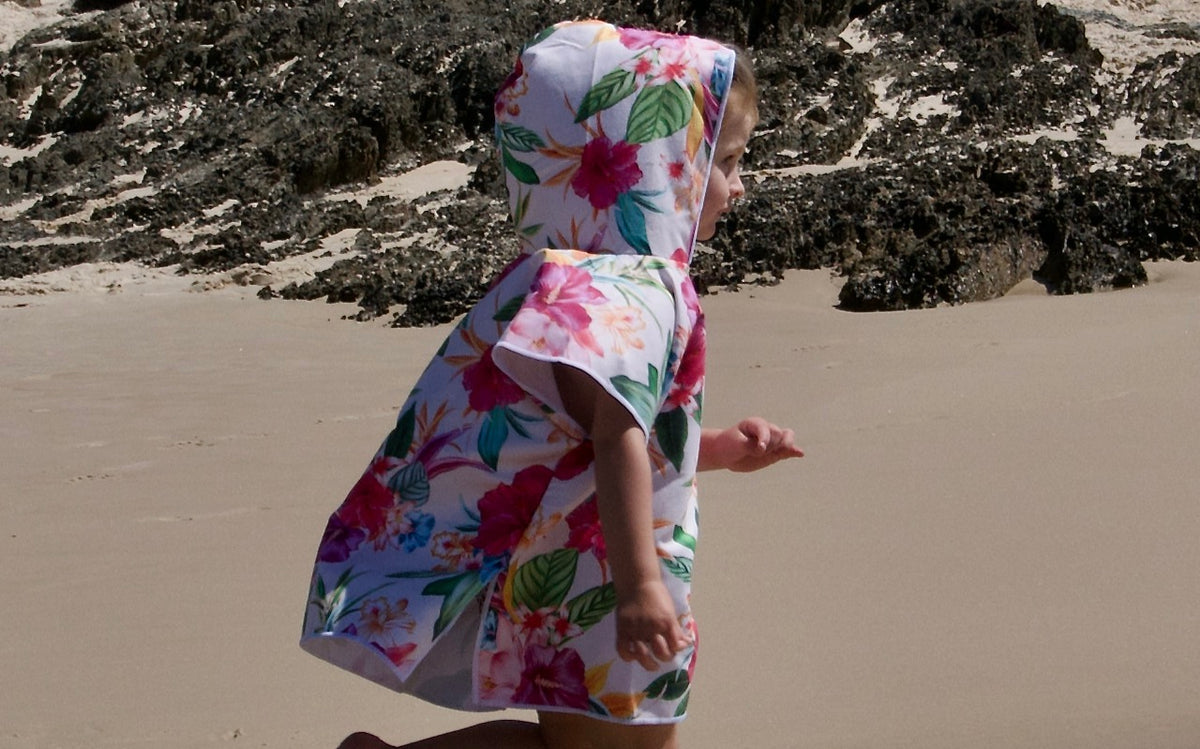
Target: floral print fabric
(479, 509)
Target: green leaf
(685, 539)
(522, 207)
(509, 310)
(517, 138)
(443, 586)
(492, 436)
(609, 90)
(411, 482)
(643, 397)
(681, 708)
(543, 581)
(592, 605)
(541, 37)
(514, 420)
(645, 200)
(631, 223)
(400, 440)
(659, 111)
(344, 579)
(519, 216)
(519, 169)
(680, 567)
(671, 428)
(457, 592)
(670, 686)
(416, 574)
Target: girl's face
(724, 181)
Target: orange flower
(621, 705)
(626, 324)
(380, 617)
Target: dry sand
(991, 543)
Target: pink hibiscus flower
(689, 378)
(499, 675)
(688, 290)
(586, 534)
(642, 38)
(556, 312)
(505, 101)
(552, 677)
(672, 65)
(500, 669)
(488, 387)
(575, 461)
(339, 541)
(606, 170)
(561, 292)
(506, 511)
(368, 504)
(694, 633)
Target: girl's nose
(736, 189)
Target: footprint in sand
(113, 472)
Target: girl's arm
(752, 444)
(647, 624)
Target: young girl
(524, 536)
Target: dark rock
(206, 135)
(1081, 263)
(792, 78)
(1164, 94)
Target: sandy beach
(991, 542)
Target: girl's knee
(566, 731)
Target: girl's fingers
(658, 648)
(775, 439)
(637, 651)
(628, 651)
(757, 433)
(786, 441)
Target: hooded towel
(467, 565)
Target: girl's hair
(744, 80)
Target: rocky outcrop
(933, 151)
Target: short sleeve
(613, 317)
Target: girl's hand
(648, 629)
(753, 444)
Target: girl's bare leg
(497, 734)
(556, 731)
(568, 731)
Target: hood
(605, 136)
